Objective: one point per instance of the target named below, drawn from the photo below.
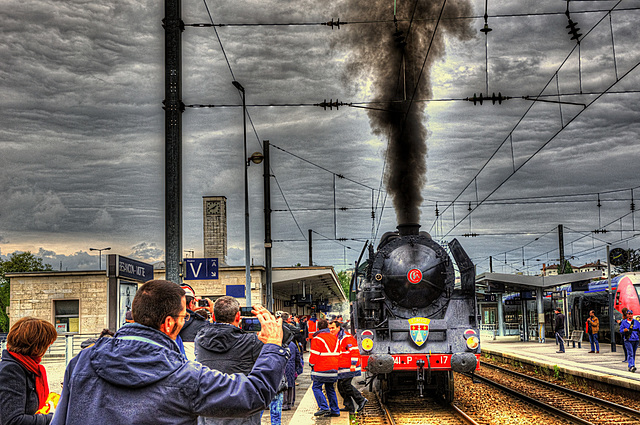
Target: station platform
(607, 367)
(305, 405)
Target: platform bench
(576, 336)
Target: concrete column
(500, 303)
(540, 308)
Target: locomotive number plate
(409, 361)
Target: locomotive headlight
(367, 344)
(473, 342)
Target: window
(67, 317)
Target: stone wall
(34, 294)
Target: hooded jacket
(140, 377)
(191, 327)
(227, 348)
(18, 397)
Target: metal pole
(173, 107)
(310, 248)
(610, 299)
(247, 242)
(267, 225)
(561, 250)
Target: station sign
(201, 268)
(128, 268)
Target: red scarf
(33, 365)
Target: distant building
(552, 270)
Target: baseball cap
(629, 312)
(188, 290)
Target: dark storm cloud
(82, 125)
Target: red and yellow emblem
(419, 329)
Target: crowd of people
(180, 360)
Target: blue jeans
(322, 400)
(275, 409)
(560, 340)
(593, 339)
(632, 346)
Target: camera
(203, 303)
(251, 324)
(246, 312)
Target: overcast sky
(82, 127)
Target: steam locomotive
(413, 324)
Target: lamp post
(100, 254)
(247, 242)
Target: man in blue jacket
(629, 328)
(140, 377)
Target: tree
(17, 262)
(566, 268)
(632, 264)
(345, 281)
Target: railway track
(407, 410)
(566, 403)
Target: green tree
(17, 262)
(566, 268)
(345, 281)
(632, 265)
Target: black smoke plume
(392, 54)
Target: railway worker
(349, 368)
(593, 326)
(312, 327)
(140, 377)
(629, 328)
(324, 358)
(559, 329)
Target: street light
(100, 253)
(247, 252)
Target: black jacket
(559, 323)
(18, 397)
(190, 329)
(227, 348)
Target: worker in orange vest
(349, 367)
(324, 358)
(312, 327)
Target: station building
(88, 301)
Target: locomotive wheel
(445, 390)
(382, 388)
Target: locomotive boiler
(414, 324)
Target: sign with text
(128, 268)
(201, 268)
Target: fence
(490, 331)
(65, 347)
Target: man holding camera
(225, 347)
(195, 322)
(140, 377)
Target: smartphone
(246, 312)
(203, 303)
(251, 324)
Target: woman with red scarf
(23, 380)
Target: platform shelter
(493, 288)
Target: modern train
(414, 325)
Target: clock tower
(215, 227)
